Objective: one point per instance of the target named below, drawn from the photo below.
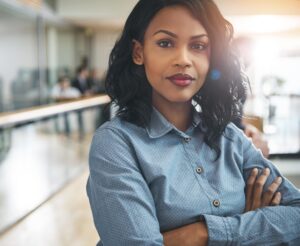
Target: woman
(164, 173)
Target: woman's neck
(180, 114)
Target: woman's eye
(164, 44)
(199, 46)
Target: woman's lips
(181, 79)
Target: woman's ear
(137, 52)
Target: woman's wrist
(190, 235)
(202, 232)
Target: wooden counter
(11, 119)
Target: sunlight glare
(266, 50)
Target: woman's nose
(182, 58)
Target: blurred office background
(44, 142)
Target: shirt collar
(160, 126)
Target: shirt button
(216, 203)
(187, 139)
(199, 170)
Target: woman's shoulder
(112, 145)
(118, 127)
(231, 127)
(233, 132)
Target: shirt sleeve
(122, 204)
(278, 225)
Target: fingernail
(279, 180)
(267, 171)
(255, 171)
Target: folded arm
(262, 223)
(266, 225)
(197, 234)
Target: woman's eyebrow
(199, 36)
(166, 32)
(175, 36)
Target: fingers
(258, 188)
(276, 199)
(255, 195)
(268, 196)
(249, 190)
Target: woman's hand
(255, 197)
(191, 235)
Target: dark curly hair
(223, 91)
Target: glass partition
(34, 53)
(18, 61)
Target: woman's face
(175, 54)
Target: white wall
(102, 45)
(113, 10)
(95, 9)
(66, 49)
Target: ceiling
(247, 16)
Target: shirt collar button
(187, 139)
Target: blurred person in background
(81, 81)
(96, 82)
(64, 91)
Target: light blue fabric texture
(147, 181)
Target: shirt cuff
(219, 231)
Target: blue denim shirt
(145, 181)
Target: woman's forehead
(175, 19)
